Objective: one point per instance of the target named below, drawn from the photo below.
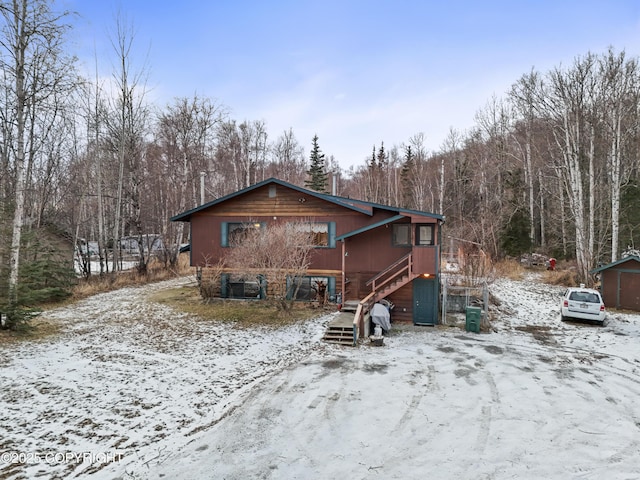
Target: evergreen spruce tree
(46, 276)
(630, 216)
(406, 177)
(318, 176)
(515, 238)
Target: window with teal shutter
(224, 281)
(331, 288)
(234, 233)
(224, 233)
(308, 287)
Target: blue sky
(354, 72)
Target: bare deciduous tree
(128, 126)
(38, 75)
(278, 253)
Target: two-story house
(362, 247)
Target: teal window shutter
(190, 244)
(332, 234)
(224, 234)
(263, 286)
(331, 287)
(289, 287)
(224, 281)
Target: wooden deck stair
(395, 276)
(392, 287)
(340, 329)
(339, 335)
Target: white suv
(582, 304)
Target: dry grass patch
(156, 272)
(511, 269)
(566, 275)
(542, 333)
(37, 330)
(245, 313)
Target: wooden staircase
(342, 335)
(340, 329)
(392, 287)
(393, 277)
(344, 329)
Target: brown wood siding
(621, 285)
(403, 301)
(425, 259)
(630, 290)
(284, 202)
(206, 240)
(372, 252)
(401, 298)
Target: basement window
(310, 287)
(236, 286)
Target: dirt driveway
(431, 404)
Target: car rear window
(584, 297)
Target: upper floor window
(321, 234)
(318, 233)
(424, 235)
(235, 233)
(401, 235)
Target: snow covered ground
(132, 390)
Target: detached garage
(621, 283)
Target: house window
(424, 235)
(321, 234)
(236, 233)
(401, 235)
(235, 286)
(309, 288)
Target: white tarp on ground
(380, 316)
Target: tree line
(552, 166)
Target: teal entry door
(425, 301)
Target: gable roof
(406, 211)
(360, 206)
(617, 262)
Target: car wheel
(563, 318)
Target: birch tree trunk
(20, 37)
(592, 192)
(33, 62)
(620, 81)
(524, 94)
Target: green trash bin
(473, 317)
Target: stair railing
(387, 275)
(364, 307)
